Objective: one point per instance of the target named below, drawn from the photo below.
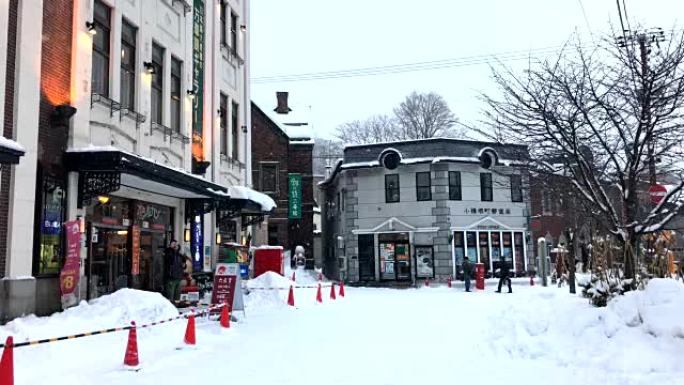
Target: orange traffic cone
(341, 288)
(190, 331)
(332, 291)
(449, 282)
(319, 296)
(131, 357)
(290, 297)
(293, 276)
(7, 363)
(225, 316)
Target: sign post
(70, 274)
(295, 198)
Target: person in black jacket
(173, 268)
(467, 272)
(503, 275)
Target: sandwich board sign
(227, 286)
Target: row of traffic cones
(131, 359)
(319, 293)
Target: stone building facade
(411, 210)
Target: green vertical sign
(295, 198)
(197, 77)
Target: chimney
(282, 103)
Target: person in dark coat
(467, 272)
(173, 268)
(503, 277)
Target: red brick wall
(55, 86)
(8, 127)
(269, 144)
(301, 230)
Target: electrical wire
(584, 13)
(410, 67)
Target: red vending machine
(269, 258)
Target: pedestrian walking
(173, 266)
(503, 275)
(467, 272)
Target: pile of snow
(570, 331)
(270, 280)
(109, 311)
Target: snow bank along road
(374, 336)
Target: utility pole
(644, 39)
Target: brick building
(117, 104)
(276, 158)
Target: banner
(71, 272)
(135, 250)
(197, 243)
(198, 79)
(295, 197)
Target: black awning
(10, 155)
(105, 171)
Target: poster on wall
(69, 276)
(425, 262)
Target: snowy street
(372, 336)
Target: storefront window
(484, 249)
(459, 251)
(508, 249)
(394, 256)
(387, 261)
(471, 237)
(52, 217)
(152, 216)
(424, 262)
(496, 250)
(519, 250)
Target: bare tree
(605, 114)
(376, 129)
(422, 116)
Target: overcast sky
(310, 36)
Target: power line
(584, 13)
(409, 67)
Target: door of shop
(366, 257)
(152, 245)
(109, 265)
(395, 261)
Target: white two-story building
(411, 210)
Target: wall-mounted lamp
(191, 94)
(81, 224)
(149, 68)
(186, 235)
(244, 129)
(91, 28)
(218, 238)
(103, 199)
(243, 28)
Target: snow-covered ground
(372, 336)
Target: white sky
(304, 36)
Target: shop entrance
(109, 266)
(395, 261)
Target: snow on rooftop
(242, 192)
(12, 145)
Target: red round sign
(657, 193)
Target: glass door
(110, 265)
(403, 261)
(387, 261)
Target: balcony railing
(168, 131)
(115, 106)
(232, 54)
